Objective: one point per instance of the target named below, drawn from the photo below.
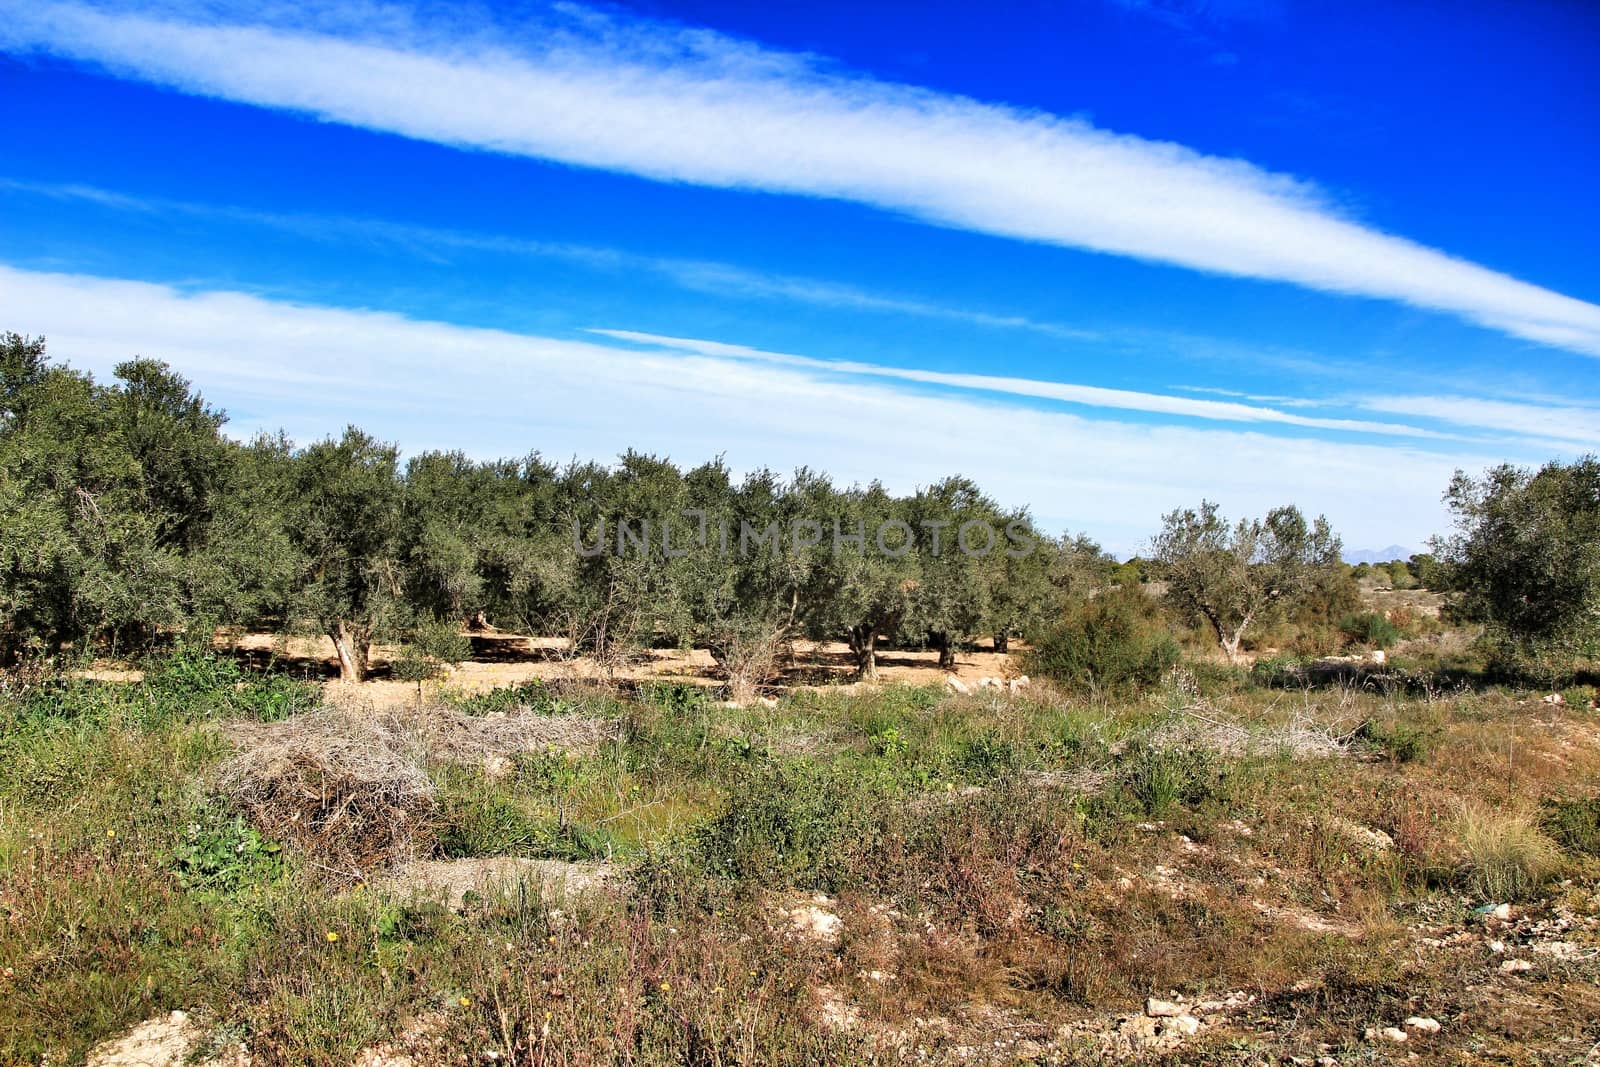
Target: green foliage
(192, 680)
(675, 698)
(111, 496)
(1574, 823)
(478, 818)
(1370, 628)
(532, 696)
(223, 853)
(795, 825)
(1114, 644)
(1157, 779)
(1526, 556)
(1400, 741)
(1431, 572)
(431, 647)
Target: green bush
(476, 819)
(532, 695)
(1401, 742)
(1157, 778)
(223, 853)
(786, 826)
(1574, 824)
(1114, 644)
(1371, 628)
(192, 681)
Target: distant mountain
(1380, 555)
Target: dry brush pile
(351, 789)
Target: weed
(1507, 856)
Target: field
(529, 864)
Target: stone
(956, 685)
(1502, 912)
(1394, 1034)
(1185, 1025)
(1422, 1024)
(1162, 1009)
(1515, 967)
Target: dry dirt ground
(504, 659)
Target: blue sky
(1108, 258)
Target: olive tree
(1525, 556)
(1235, 575)
(961, 563)
(862, 586)
(347, 526)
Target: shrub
(222, 853)
(432, 647)
(786, 826)
(1371, 628)
(677, 698)
(1574, 824)
(193, 681)
(1158, 778)
(1114, 644)
(1401, 742)
(476, 819)
(1507, 856)
(529, 696)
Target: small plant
(530, 696)
(1400, 742)
(433, 647)
(1507, 856)
(222, 853)
(1158, 778)
(675, 698)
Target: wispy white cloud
(439, 243)
(313, 369)
(691, 106)
(1065, 392)
(1562, 426)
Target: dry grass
(1507, 856)
(452, 737)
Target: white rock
(1497, 947)
(1515, 967)
(1379, 655)
(815, 923)
(1555, 698)
(1187, 1025)
(1393, 1033)
(1019, 684)
(1502, 912)
(1162, 1009)
(1422, 1024)
(159, 1042)
(956, 685)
